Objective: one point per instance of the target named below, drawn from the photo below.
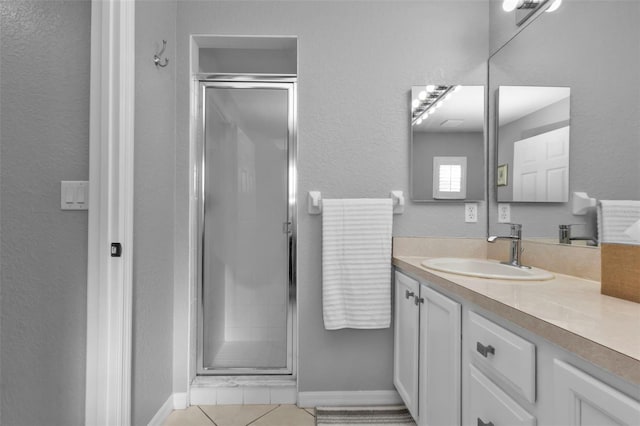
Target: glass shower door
(246, 229)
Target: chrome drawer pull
(408, 294)
(481, 423)
(485, 350)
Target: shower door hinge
(286, 227)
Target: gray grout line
(268, 412)
(206, 415)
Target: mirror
(533, 144)
(593, 48)
(447, 143)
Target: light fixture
(526, 8)
(509, 5)
(435, 97)
(554, 6)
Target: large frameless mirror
(447, 143)
(602, 68)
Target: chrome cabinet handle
(408, 294)
(485, 350)
(418, 300)
(481, 423)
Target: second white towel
(615, 221)
(356, 263)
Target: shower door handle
(286, 227)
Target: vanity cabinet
(459, 363)
(427, 352)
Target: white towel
(356, 263)
(615, 218)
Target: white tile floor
(242, 415)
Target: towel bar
(314, 201)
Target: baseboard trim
(176, 401)
(180, 401)
(348, 398)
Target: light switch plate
(74, 195)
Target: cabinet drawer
(490, 406)
(505, 353)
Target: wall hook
(157, 57)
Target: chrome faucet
(516, 245)
(564, 235)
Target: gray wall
(602, 68)
(357, 62)
(44, 117)
(427, 145)
(152, 379)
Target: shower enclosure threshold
(246, 390)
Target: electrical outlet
(504, 212)
(471, 212)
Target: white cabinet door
(440, 319)
(405, 346)
(582, 400)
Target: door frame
(247, 82)
(109, 279)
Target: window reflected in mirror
(447, 143)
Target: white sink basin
(485, 269)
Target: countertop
(568, 311)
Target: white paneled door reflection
(245, 320)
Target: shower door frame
(289, 84)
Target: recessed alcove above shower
(246, 55)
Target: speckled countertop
(568, 311)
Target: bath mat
(338, 416)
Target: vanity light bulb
(430, 88)
(419, 121)
(415, 103)
(422, 95)
(509, 5)
(554, 6)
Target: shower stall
(246, 247)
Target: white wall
(152, 379)
(44, 121)
(357, 63)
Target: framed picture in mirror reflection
(502, 178)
